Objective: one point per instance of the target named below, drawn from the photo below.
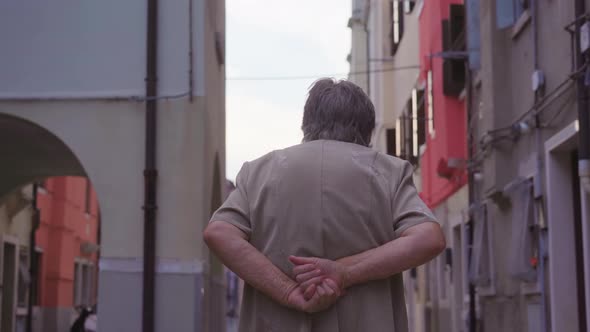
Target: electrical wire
(535, 110)
(288, 78)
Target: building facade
(78, 98)
(496, 124)
(65, 258)
(16, 215)
(421, 117)
(528, 128)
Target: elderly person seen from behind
(321, 231)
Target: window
(77, 287)
(430, 104)
(459, 287)
(88, 197)
(83, 283)
(408, 131)
(24, 278)
(508, 12)
(473, 35)
(88, 284)
(523, 248)
(398, 137)
(409, 6)
(415, 146)
(481, 268)
(442, 276)
(427, 284)
(391, 136)
(10, 275)
(418, 122)
(422, 119)
(36, 289)
(397, 25)
(453, 36)
(405, 134)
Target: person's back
(326, 216)
(325, 199)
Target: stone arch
(30, 152)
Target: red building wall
(65, 225)
(449, 112)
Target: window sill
(521, 23)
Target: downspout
(368, 42)
(472, 324)
(538, 206)
(150, 172)
(35, 221)
(583, 111)
(581, 61)
(368, 35)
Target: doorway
(566, 253)
(8, 286)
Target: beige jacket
(325, 199)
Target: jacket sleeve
(407, 207)
(236, 209)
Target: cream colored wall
(358, 53)
(402, 82)
(391, 89)
(378, 26)
(16, 215)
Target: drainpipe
(368, 35)
(583, 111)
(367, 17)
(540, 229)
(150, 172)
(35, 220)
(472, 319)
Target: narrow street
(125, 126)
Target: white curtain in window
(479, 264)
(522, 242)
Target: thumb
(301, 260)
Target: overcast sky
(277, 38)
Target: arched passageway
(49, 230)
(29, 152)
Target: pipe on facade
(150, 172)
(539, 171)
(33, 273)
(583, 111)
(472, 324)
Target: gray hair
(338, 110)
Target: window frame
(397, 24)
(430, 100)
(83, 282)
(22, 284)
(508, 12)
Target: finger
(309, 292)
(301, 260)
(329, 291)
(306, 276)
(321, 291)
(299, 269)
(332, 285)
(312, 281)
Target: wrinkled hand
(321, 297)
(309, 271)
